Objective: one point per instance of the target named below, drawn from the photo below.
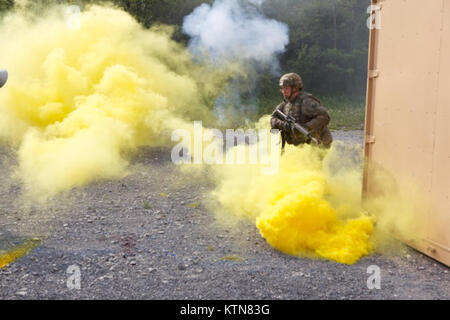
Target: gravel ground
(148, 236)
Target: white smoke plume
(237, 31)
(232, 30)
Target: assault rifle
(295, 125)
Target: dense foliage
(328, 39)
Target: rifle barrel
(296, 125)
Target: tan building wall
(408, 113)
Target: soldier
(3, 77)
(305, 109)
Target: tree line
(328, 38)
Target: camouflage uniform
(308, 112)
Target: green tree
(328, 43)
(6, 5)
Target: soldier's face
(287, 91)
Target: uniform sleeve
(320, 117)
(276, 122)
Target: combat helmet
(291, 79)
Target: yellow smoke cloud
(79, 101)
(303, 209)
